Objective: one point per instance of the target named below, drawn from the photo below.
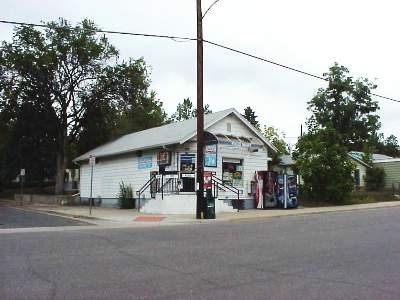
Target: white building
(234, 152)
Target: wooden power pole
(200, 113)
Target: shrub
(324, 166)
(125, 196)
(375, 179)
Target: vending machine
(266, 189)
(287, 191)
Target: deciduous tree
(186, 110)
(346, 106)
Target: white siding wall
(363, 172)
(392, 172)
(252, 161)
(108, 173)
(237, 128)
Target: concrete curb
(313, 211)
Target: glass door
(188, 172)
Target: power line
(172, 37)
(184, 39)
(208, 9)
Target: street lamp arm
(215, 2)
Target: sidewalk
(131, 217)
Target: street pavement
(17, 218)
(340, 255)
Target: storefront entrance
(188, 172)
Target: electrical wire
(208, 9)
(185, 39)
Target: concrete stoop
(179, 204)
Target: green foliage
(343, 119)
(58, 65)
(356, 197)
(375, 179)
(121, 103)
(276, 138)
(31, 144)
(324, 165)
(389, 146)
(346, 105)
(65, 81)
(250, 116)
(125, 196)
(186, 111)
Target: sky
(309, 35)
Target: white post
(285, 190)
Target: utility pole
(200, 113)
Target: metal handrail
(219, 184)
(145, 187)
(170, 185)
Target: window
(232, 171)
(357, 177)
(228, 127)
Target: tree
(392, 147)
(346, 106)
(250, 116)
(389, 146)
(186, 110)
(70, 70)
(121, 103)
(324, 165)
(137, 107)
(343, 119)
(276, 138)
(375, 178)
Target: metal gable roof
(173, 133)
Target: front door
(188, 170)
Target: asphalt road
(347, 255)
(17, 218)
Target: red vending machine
(266, 189)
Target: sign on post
(208, 180)
(92, 162)
(22, 175)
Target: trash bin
(209, 209)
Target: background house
(392, 170)
(389, 164)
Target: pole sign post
(22, 177)
(92, 162)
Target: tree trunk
(61, 165)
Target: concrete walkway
(128, 217)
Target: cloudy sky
(308, 35)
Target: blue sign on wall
(210, 155)
(145, 162)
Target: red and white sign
(208, 180)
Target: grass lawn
(357, 197)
